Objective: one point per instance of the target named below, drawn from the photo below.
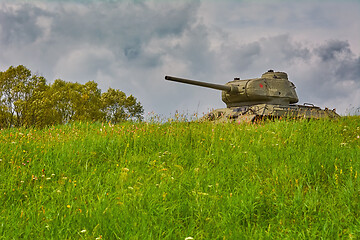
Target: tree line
(27, 100)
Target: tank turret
(270, 95)
(272, 87)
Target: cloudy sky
(132, 45)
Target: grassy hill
(281, 179)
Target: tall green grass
(281, 179)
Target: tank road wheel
(258, 119)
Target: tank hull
(263, 111)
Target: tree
(117, 107)
(88, 106)
(34, 107)
(12, 83)
(75, 102)
(18, 91)
(134, 108)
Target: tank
(270, 96)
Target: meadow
(182, 180)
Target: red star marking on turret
(260, 85)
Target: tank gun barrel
(202, 84)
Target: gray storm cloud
(131, 45)
(338, 54)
